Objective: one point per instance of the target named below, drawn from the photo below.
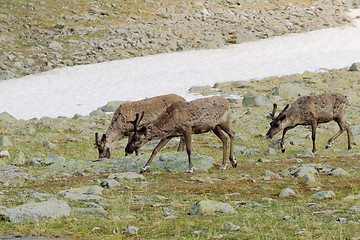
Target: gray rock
(271, 151)
(12, 176)
(29, 62)
(338, 172)
(5, 142)
(299, 171)
(251, 100)
(290, 90)
(4, 154)
(111, 106)
(355, 67)
(309, 179)
(91, 208)
(287, 192)
(231, 227)
(130, 230)
(323, 195)
(97, 113)
(340, 220)
(18, 160)
(109, 183)
(83, 193)
(308, 154)
(205, 207)
(48, 144)
(287, 217)
(126, 176)
(54, 45)
(36, 211)
(5, 116)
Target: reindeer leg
(160, 145)
(231, 134)
(219, 134)
(313, 136)
(187, 137)
(283, 138)
(181, 146)
(343, 126)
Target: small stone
(48, 144)
(339, 172)
(287, 218)
(18, 160)
(340, 220)
(4, 154)
(130, 230)
(308, 154)
(287, 192)
(110, 183)
(323, 195)
(271, 151)
(5, 142)
(231, 227)
(309, 179)
(355, 67)
(97, 113)
(29, 62)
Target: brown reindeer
(311, 110)
(185, 119)
(120, 127)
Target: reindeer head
(104, 151)
(138, 139)
(278, 123)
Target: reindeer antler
(96, 139)
(272, 114)
(137, 120)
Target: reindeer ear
(142, 130)
(282, 117)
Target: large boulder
(5, 116)
(255, 100)
(290, 90)
(36, 211)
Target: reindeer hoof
(328, 146)
(234, 164)
(145, 169)
(190, 170)
(282, 150)
(223, 167)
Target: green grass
(74, 140)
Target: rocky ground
(51, 182)
(37, 36)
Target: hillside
(49, 164)
(37, 36)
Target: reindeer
(120, 127)
(184, 119)
(311, 110)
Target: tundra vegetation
(269, 195)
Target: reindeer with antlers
(312, 110)
(120, 127)
(184, 119)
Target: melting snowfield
(82, 89)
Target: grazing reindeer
(311, 110)
(120, 127)
(184, 119)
